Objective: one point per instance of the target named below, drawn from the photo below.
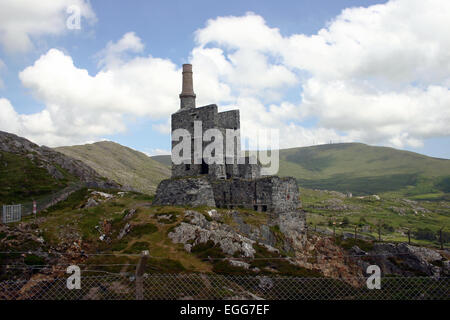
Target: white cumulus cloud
(82, 107)
(379, 74)
(22, 20)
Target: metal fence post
(139, 275)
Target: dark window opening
(264, 208)
(187, 167)
(204, 168)
(255, 208)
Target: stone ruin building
(225, 185)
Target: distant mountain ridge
(362, 169)
(365, 169)
(121, 164)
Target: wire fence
(44, 202)
(224, 287)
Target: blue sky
(162, 35)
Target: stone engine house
(227, 185)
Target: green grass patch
(138, 247)
(33, 260)
(143, 229)
(348, 243)
(207, 250)
(72, 202)
(143, 197)
(155, 265)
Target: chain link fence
(220, 287)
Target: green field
(390, 215)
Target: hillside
(121, 164)
(105, 232)
(363, 169)
(28, 171)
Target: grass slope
(22, 179)
(121, 164)
(364, 169)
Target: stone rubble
(199, 230)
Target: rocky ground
(183, 240)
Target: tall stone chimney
(187, 95)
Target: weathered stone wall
(285, 194)
(268, 194)
(184, 119)
(193, 192)
(211, 118)
(249, 170)
(271, 194)
(228, 119)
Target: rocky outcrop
(261, 233)
(199, 230)
(26, 245)
(52, 161)
(403, 259)
(293, 226)
(322, 254)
